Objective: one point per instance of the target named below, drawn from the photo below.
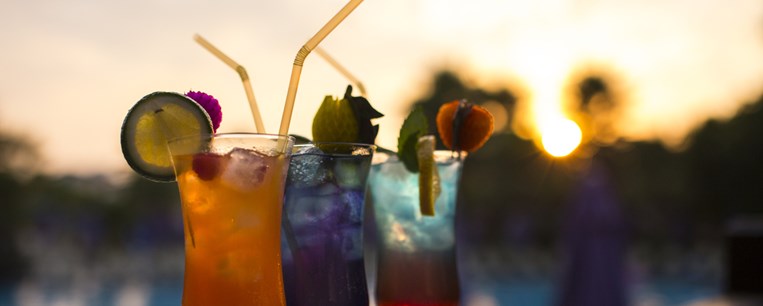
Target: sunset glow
(560, 137)
(667, 64)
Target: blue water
(400, 224)
(539, 292)
(160, 295)
(542, 293)
(525, 293)
(6, 296)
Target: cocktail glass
(416, 254)
(231, 190)
(322, 224)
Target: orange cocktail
(232, 193)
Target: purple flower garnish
(210, 104)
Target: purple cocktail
(322, 225)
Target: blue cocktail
(416, 254)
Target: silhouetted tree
(669, 197)
(15, 155)
(147, 213)
(727, 168)
(593, 99)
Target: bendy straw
(343, 71)
(299, 60)
(244, 79)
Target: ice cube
(347, 174)
(314, 208)
(308, 150)
(194, 197)
(307, 167)
(354, 213)
(246, 169)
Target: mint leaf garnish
(414, 126)
(363, 112)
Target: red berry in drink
(207, 165)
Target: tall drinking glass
(231, 190)
(416, 254)
(322, 224)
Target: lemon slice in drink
(154, 119)
(429, 178)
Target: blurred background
(625, 168)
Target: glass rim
(334, 148)
(348, 144)
(436, 152)
(234, 135)
(439, 155)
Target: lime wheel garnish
(151, 122)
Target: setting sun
(560, 137)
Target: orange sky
(71, 70)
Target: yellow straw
(299, 60)
(244, 79)
(346, 73)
